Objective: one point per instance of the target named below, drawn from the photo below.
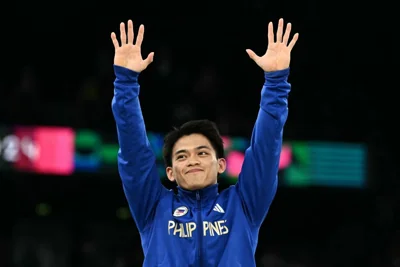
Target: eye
(180, 157)
(203, 153)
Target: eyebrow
(197, 148)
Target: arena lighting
(66, 151)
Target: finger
(122, 33)
(287, 33)
(271, 38)
(294, 40)
(114, 40)
(130, 32)
(139, 38)
(252, 55)
(279, 31)
(149, 58)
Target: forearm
(258, 179)
(132, 136)
(136, 160)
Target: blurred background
(61, 199)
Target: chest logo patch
(180, 211)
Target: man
(199, 226)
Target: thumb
(149, 58)
(252, 55)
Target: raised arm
(258, 179)
(136, 161)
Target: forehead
(192, 141)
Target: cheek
(216, 164)
(177, 170)
(213, 165)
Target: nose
(193, 161)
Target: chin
(198, 186)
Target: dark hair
(204, 127)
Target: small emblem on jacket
(218, 208)
(180, 211)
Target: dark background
(57, 70)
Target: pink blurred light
(56, 150)
(234, 162)
(286, 157)
(227, 142)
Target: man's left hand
(277, 56)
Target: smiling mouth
(194, 170)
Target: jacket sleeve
(136, 160)
(258, 179)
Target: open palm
(277, 56)
(128, 54)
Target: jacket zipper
(199, 222)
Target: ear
(221, 165)
(169, 172)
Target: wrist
(125, 75)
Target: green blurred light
(123, 213)
(43, 209)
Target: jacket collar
(205, 195)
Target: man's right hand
(128, 54)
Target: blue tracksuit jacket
(204, 227)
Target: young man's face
(194, 163)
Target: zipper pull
(198, 195)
